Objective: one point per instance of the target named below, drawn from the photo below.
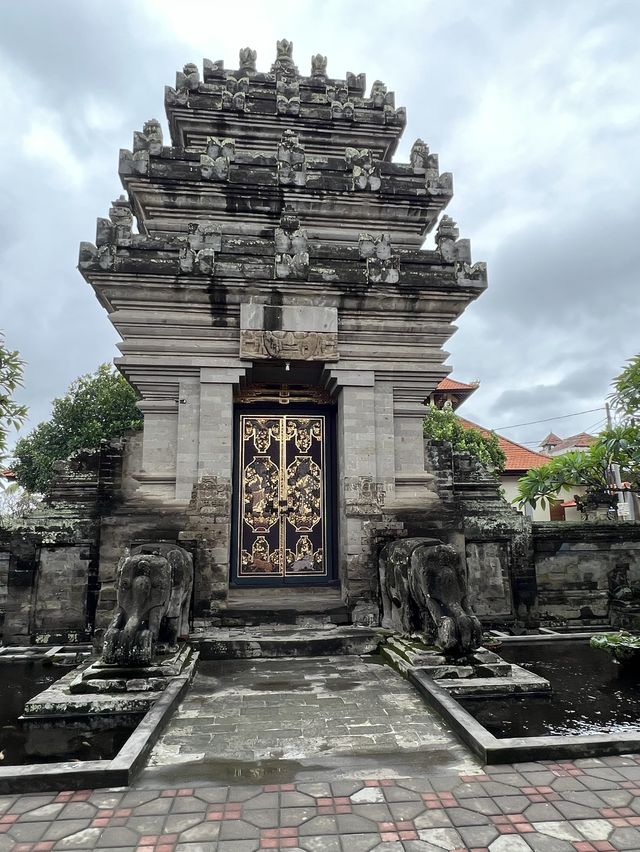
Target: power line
(547, 419)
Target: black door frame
(303, 409)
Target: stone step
(307, 606)
(283, 641)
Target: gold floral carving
(304, 494)
(302, 431)
(289, 345)
(261, 560)
(261, 492)
(261, 430)
(305, 560)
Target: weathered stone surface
(424, 589)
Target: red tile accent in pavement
(399, 830)
(439, 800)
(231, 810)
(563, 768)
(333, 805)
(540, 794)
(73, 796)
(632, 786)
(279, 838)
(279, 788)
(512, 824)
(186, 791)
(596, 846)
(157, 843)
(470, 779)
(379, 782)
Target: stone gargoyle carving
(154, 594)
(424, 590)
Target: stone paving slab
(544, 807)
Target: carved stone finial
(365, 172)
(188, 78)
(248, 60)
(150, 139)
(419, 157)
(284, 57)
(319, 66)
(341, 105)
(378, 93)
(383, 267)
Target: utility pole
(615, 470)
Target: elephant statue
(424, 590)
(153, 597)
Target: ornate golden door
(281, 499)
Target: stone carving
(292, 257)
(202, 243)
(471, 274)
(288, 97)
(248, 60)
(379, 95)
(154, 592)
(116, 230)
(213, 70)
(289, 345)
(437, 184)
(150, 139)
(449, 246)
(284, 58)
(214, 164)
(318, 67)
(363, 496)
(365, 173)
(147, 143)
(382, 266)
(624, 598)
(341, 105)
(357, 82)
(292, 166)
(424, 590)
(189, 78)
(234, 93)
(419, 156)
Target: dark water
(46, 742)
(591, 694)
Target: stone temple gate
(280, 321)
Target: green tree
(12, 415)
(445, 425)
(97, 406)
(593, 468)
(626, 390)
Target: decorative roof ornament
(248, 60)
(188, 78)
(419, 156)
(319, 67)
(284, 58)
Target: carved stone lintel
(289, 345)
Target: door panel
(282, 499)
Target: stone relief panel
(289, 345)
(488, 577)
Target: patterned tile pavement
(590, 805)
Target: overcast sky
(534, 106)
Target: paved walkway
(585, 806)
(335, 754)
(303, 718)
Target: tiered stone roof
(270, 179)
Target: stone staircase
(307, 621)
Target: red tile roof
(551, 439)
(452, 384)
(518, 458)
(582, 439)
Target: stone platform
(278, 640)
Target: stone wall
(572, 561)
